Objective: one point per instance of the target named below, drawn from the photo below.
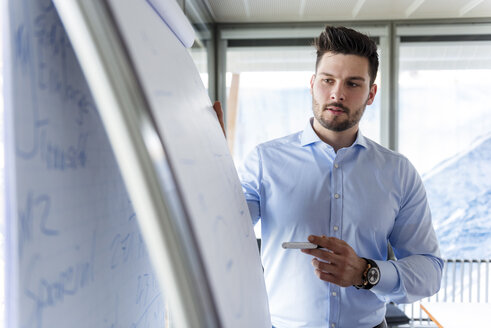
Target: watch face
(373, 276)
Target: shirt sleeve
(250, 178)
(417, 272)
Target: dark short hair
(343, 40)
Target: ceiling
(252, 11)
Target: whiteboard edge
(176, 276)
(11, 281)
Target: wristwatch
(371, 275)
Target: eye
(353, 84)
(329, 81)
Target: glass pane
(445, 130)
(271, 105)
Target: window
(273, 94)
(203, 44)
(445, 130)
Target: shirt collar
(310, 137)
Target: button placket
(336, 209)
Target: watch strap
(371, 268)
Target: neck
(336, 139)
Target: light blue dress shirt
(365, 195)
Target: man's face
(341, 90)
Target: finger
(318, 240)
(325, 276)
(338, 274)
(326, 244)
(217, 106)
(328, 272)
(332, 278)
(323, 266)
(322, 254)
(334, 244)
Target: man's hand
(217, 106)
(337, 263)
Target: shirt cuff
(389, 278)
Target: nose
(337, 93)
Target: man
(342, 191)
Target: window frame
(390, 35)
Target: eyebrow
(360, 78)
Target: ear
(312, 80)
(371, 94)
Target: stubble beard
(337, 124)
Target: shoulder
(269, 155)
(273, 150)
(388, 159)
(280, 144)
(396, 166)
(387, 154)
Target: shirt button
(334, 293)
(336, 196)
(333, 325)
(335, 228)
(336, 165)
